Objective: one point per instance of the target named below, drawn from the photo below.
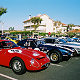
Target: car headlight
(47, 56)
(64, 51)
(34, 63)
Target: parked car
(63, 43)
(21, 59)
(71, 40)
(30, 43)
(2, 36)
(74, 41)
(15, 40)
(56, 54)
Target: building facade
(45, 26)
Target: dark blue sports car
(55, 53)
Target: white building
(62, 28)
(45, 26)
(76, 27)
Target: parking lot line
(7, 77)
(57, 65)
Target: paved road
(66, 70)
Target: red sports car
(21, 59)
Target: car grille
(45, 65)
(40, 58)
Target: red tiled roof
(64, 24)
(76, 30)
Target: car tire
(18, 66)
(55, 56)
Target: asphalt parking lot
(66, 70)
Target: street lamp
(30, 23)
(2, 26)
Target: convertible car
(21, 59)
(55, 53)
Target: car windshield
(7, 44)
(40, 42)
(53, 41)
(60, 41)
(75, 40)
(49, 40)
(68, 40)
(13, 38)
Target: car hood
(69, 44)
(62, 46)
(29, 52)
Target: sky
(66, 11)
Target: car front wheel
(55, 56)
(18, 66)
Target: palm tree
(57, 24)
(2, 11)
(36, 21)
(11, 29)
(69, 27)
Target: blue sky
(66, 11)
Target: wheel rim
(54, 57)
(17, 66)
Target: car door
(43, 48)
(0, 55)
(1, 51)
(4, 55)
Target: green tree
(71, 34)
(36, 21)
(69, 27)
(2, 11)
(57, 24)
(11, 28)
